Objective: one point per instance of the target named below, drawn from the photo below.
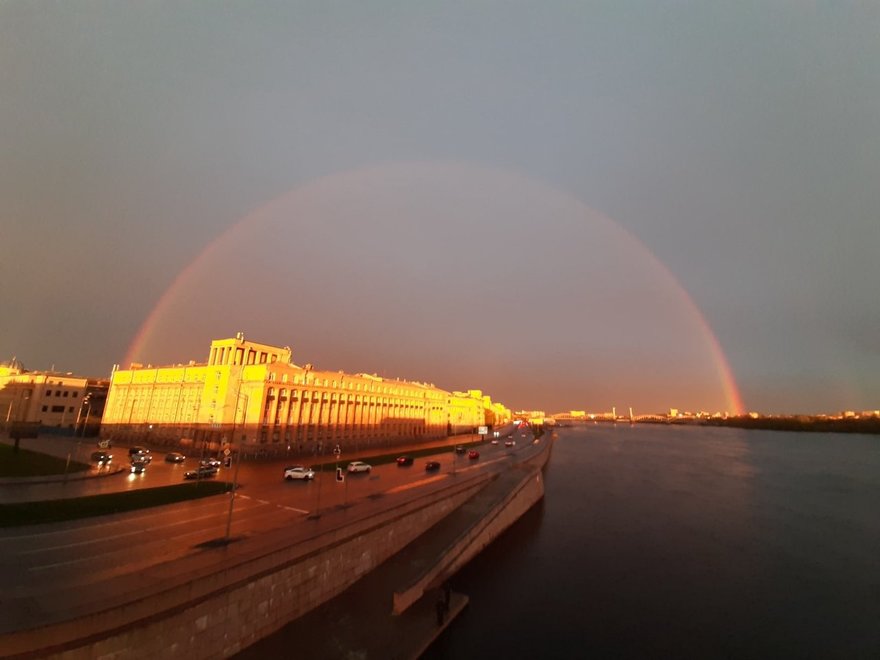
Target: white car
(358, 466)
(298, 472)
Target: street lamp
(238, 395)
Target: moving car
(298, 472)
(404, 460)
(211, 462)
(138, 467)
(459, 449)
(509, 443)
(358, 466)
(473, 454)
(102, 457)
(202, 472)
(140, 453)
(430, 466)
(174, 457)
(495, 441)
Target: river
(685, 542)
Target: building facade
(56, 401)
(251, 395)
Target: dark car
(473, 454)
(202, 472)
(404, 460)
(138, 467)
(140, 454)
(430, 466)
(102, 457)
(174, 457)
(459, 449)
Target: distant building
(51, 399)
(253, 395)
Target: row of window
(64, 393)
(58, 409)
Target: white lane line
(292, 508)
(415, 484)
(263, 501)
(104, 539)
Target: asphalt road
(55, 558)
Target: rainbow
(159, 310)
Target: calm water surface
(657, 541)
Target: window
(66, 393)
(75, 394)
(48, 392)
(57, 409)
(70, 409)
(57, 393)
(45, 408)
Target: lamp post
(238, 395)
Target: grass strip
(16, 514)
(27, 463)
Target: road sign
(483, 430)
(337, 450)
(339, 475)
(103, 444)
(227, 451)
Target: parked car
(142, 453)
(358, 466)
(431, 466)
(404, 460)
(509, 443)
(298, 472)
(102, 457)
(174, 457)
(138, 467)
(201, 472)
(211, 462)
(459, 449)
(473, 454)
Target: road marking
(292, 508)
(415, 484)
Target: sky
(571, 205)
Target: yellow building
(253, 395)
(51, 399)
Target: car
(102, 457)
(138, 467)
(174, 457)
(459, 449)
(211, 462)
(509, 443)
(404, 460)
(358, 466)
(141, 453)
(431, 466)
(473, 454)
(298, 472)
(201, 472)
(495, 441)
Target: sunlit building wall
(51, 399)
(253, 395)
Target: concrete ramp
(464, 533)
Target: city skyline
(568, 206)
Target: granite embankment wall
(214, 613)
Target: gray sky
(739, 143)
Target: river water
(685, 542)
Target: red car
(473, 454)
(404, 460)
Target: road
(68, 556)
